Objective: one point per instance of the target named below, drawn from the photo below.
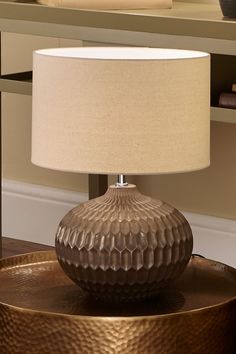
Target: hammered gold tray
(42, 311)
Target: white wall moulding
(214, 238)
(32, 213)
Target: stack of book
(109, 4)
(228, 99)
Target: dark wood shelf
(20, 83)
(12, 247)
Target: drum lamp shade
(121, 110)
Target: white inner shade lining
(122, 53)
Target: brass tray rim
(111, 318)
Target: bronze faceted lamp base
(131, 111)
(123, 246)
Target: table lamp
(122, 111)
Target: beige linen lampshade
(120, 110)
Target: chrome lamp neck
(121, 181)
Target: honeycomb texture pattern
(123, 246)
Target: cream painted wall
(16, 117)
(17, 50)
(211, 191)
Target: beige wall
(211, 191)
(16, 118)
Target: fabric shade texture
(121, 110)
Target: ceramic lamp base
(123, 246)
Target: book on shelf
(109, 4)
(228, 100)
